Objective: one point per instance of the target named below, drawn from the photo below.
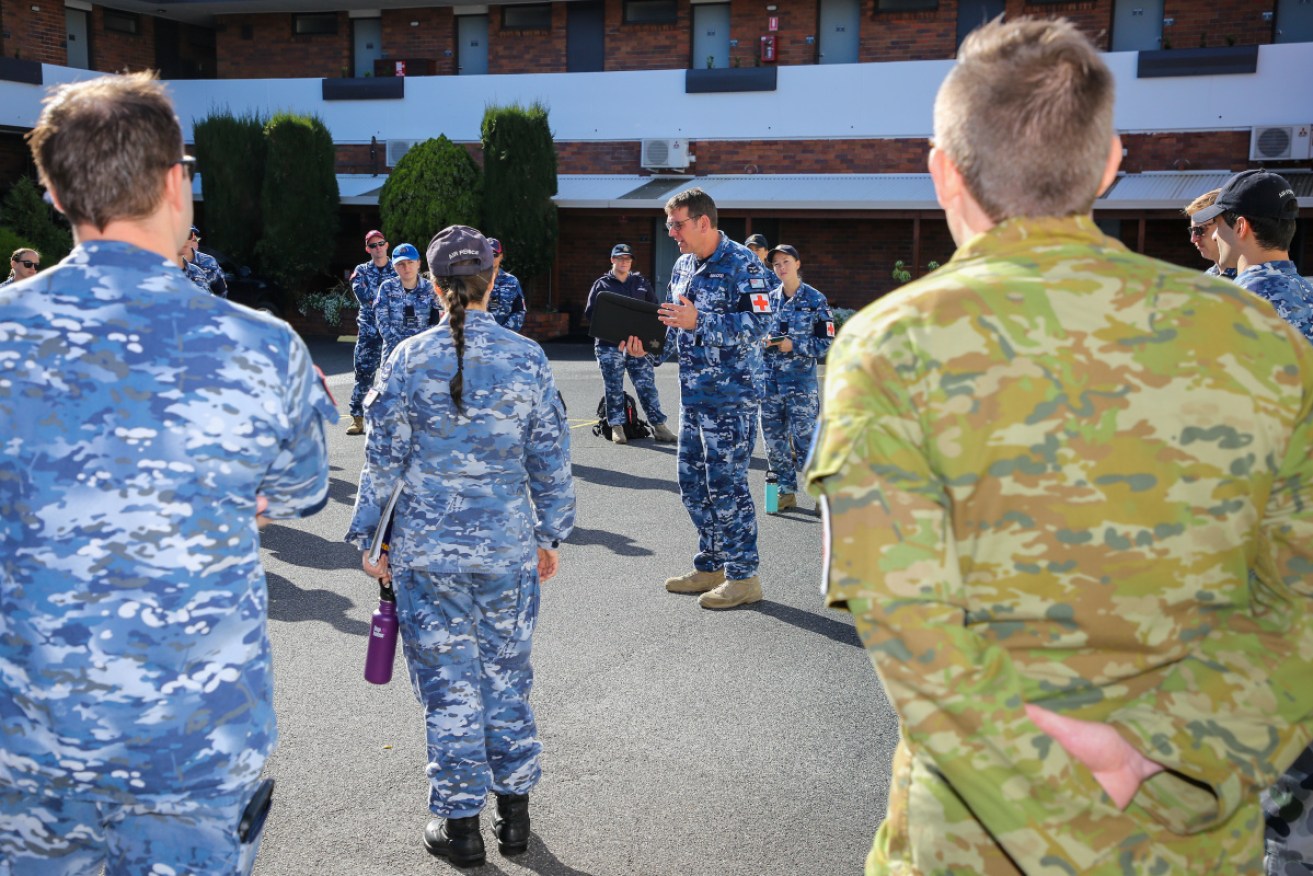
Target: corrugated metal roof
(1155, 190)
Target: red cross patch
(760, 303)
(829, 329)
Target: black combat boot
(511, 823)
(456, 839)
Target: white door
(79, 51)
(471, 45)
(1137, 25)
(841, 21)
(710, 35)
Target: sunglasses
(1200, 230)
(188, 165)
(382, 244)
(31, 266)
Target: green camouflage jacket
(1061, 473)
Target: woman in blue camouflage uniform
(23, 264)
(406, 304)
(801, 333)
(467, 418)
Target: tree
(32, 220)
(519, 181)
(230, 151)
(435, 184)
(299, 200)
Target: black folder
(618, 317)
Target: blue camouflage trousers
(369, 352)
(614, 363)
(466, 637)
(788, 423)
(714, 454)
(1288, 810)
(167, 835)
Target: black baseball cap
(459, 243)
(757, 240)
(1257, 194)
(621, 249)
(784, 248)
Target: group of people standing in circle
(397, 301)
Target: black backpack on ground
(634, 427)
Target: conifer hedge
(34, 222)
(299, 200)
(230, 152)
(519, 181)
(435, 184)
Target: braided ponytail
(457, 293)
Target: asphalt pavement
(677, 741)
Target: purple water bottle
(382, 639)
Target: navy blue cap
(784, 248)
(405, 252)
(195, 232)
(621, 249)
(456, 244)
(756, 240)
(1257, 194)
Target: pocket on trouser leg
(520, 636)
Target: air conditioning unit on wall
(398, 148)
(1281, 143)
(665, 155)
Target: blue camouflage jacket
(402, 313)
(720, 359)
(1281, 284)
(365, 280)
(506, 303)
(213, 273)
(482, 489)
(196, 274)
(805, 319)
(143, 417)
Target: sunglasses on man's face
(31, 266)
(1200, 230)
(380, 244)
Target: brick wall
(273, 52)
(116, 52)
(585, 253)
(1094, 17)
(646, 46)
(526, 51)
(434, 37)
(748, 24)
(38, 35)
(1220, 24)
(908, 36)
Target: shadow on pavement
(341, 492)
(287, 602)
(620, 544)
(542, 861)
(610, 478)
(307, 550)
(832, 629)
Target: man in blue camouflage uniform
(801, 333)
(467, 419)
(406, 304)
(190, 268)
(622, 280)
(365, 281)
(150, 428)
(507, 302)
(717, 314)
(1253, 224)
(209, 266)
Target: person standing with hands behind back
(467, 418)
(1068, 497)
(802, 332)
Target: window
(536, 16)
(314, 23)
(905, 5)
(651, 11)
(121, 22)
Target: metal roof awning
(1172, 190)
(360, 189)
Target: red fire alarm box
(768, 47)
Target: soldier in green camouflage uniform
(1069, 503)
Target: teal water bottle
(772, 493)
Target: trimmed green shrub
(230, 152)
(35, 223)
(519, 180)
(435, 184)
(299, 200)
